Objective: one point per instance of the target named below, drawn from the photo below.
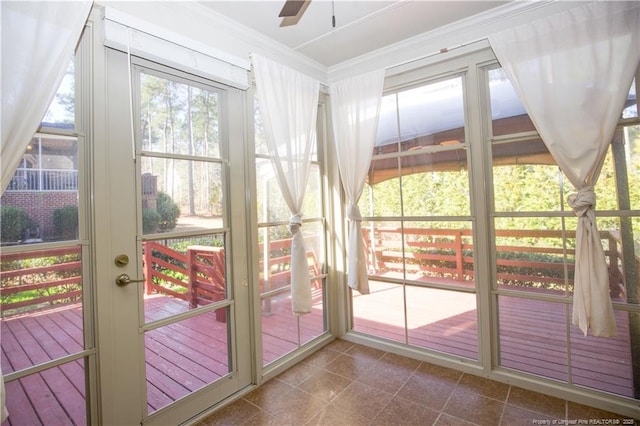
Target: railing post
(459, 256)
(192, 289)
(147, 266)
(614, 272)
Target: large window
(418, 228)
(471, 242)
(534, 234)
(282, 331)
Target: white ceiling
(361, 26)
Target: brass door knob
(124, 279)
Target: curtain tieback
(583, 202)
(295, 222)
(353, 213)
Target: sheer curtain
(573, 71)
(355, 108)
(289, 108)
(38, 41)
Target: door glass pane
(55, 396)
(185, 356)
(181, 195)
(178, 118)
(182, 274)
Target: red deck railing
(448, 253)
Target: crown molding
(250, 41)
(459, 33)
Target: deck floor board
(185, 356)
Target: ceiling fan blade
(291, 8)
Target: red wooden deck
(188, 355)
(533, 336)
(180, 358)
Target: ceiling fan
(291, 8)
(292, 11)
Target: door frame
(120, 339)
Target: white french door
(173, 300)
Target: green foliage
(181, 246)
(169, 212)
(150, 221)
(65, 221)
(13, 222)
(28, 276)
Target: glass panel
(41, 307)
(260, 137)
(271, 204)
(282, 331)
(605, 363)
(381, 197)
(436, 184)
(621, 256)
(533, 336)
(185, 356)
(380, 313)
(507, 112)
(61, 112)
(630, 259)
(313, 325)
(55, 396)
(631, 147)
(383, 245)
(312, 204)
(436, 252)
(178, 118)
(531, 255)
(41, 201)
(432, 115)
(526, 178)
(183, 273)
(441, 320)
(631, 105)
(181, 195)
(387, 136)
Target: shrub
(150, 221)
(65, 221)
(169, 212)
(13, 222)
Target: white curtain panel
(38, 41)
(355, 108)
(572, 71)
(289, 108)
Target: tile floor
(349, 384)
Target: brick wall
(40, 206)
